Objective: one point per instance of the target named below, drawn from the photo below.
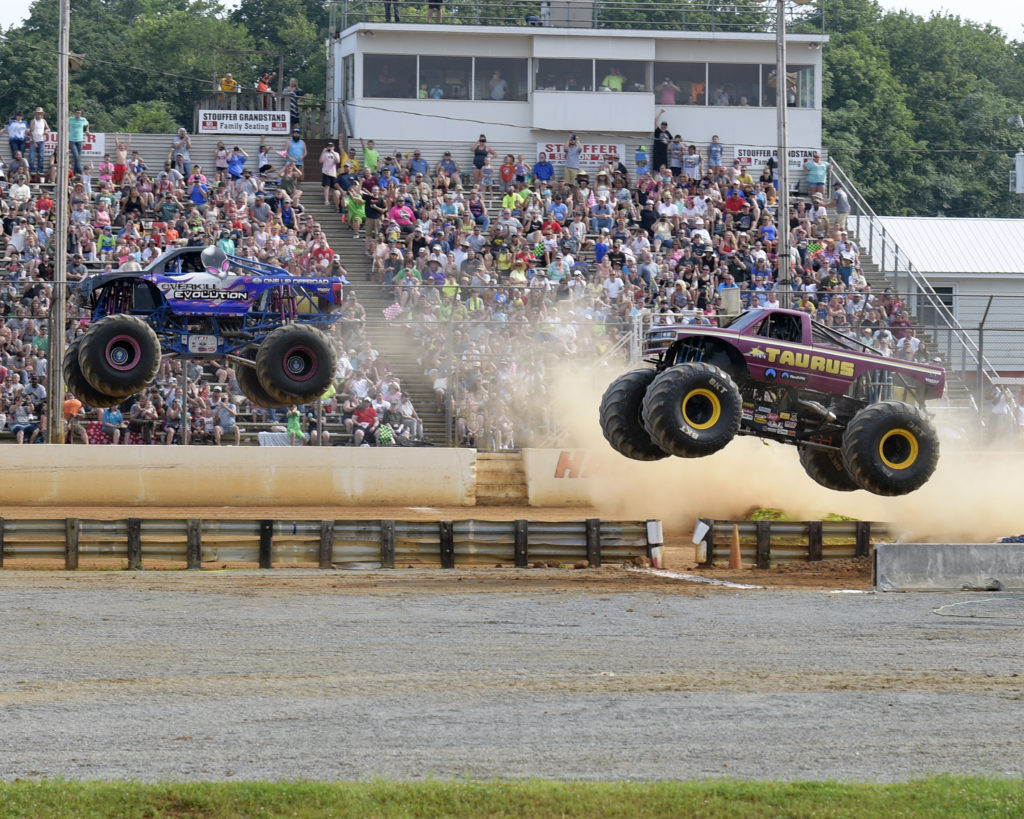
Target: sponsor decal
(757, 352)
(770, 373)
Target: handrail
(648, 15)
(861, 210)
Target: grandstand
(559, 272)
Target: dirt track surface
(604, 674)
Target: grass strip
(940, 796)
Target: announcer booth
(529, 81)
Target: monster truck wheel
(295, 364)
(826, 468)
(692, 410)
(621, 420)
(890, 448)
(249, 384)
(119, 355)
(74, 378)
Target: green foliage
(946, 796)
(916, 109)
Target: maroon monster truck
(855, 417)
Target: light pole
(784, 276)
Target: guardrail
(387, 543)
(764, 542)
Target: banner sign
(93, 146)
(243, 122)
(757, 157)
(591, 153)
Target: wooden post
(764, 544)
(134, 543)
(3, 525)
(71, 529)
(814, 540)
(594, 542)
(863, 538)
(521, 548)
(709, 539)
(446, 532)
(266, 544)
(387, 544)
(326, 543)
(195, 543)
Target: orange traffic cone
(734, 553)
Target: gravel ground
(590, 675)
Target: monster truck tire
(119, 355)
(621, 418)
(249, 384)
(74, 378)
(826, 467)
(692, 410)
(889, 448)
(295, 364)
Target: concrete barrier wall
(561, 477)
(51, 475)
(949, 566)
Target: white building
(525, 85)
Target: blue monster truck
(201, 303)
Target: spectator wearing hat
(17, 133)
(295, 151)
(225, 414)
(601, 215)
(447, 170)
(38, 130)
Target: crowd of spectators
(123, 214)
(498, 271)
(503, 268)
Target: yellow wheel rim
(702, 409)
(898, 448)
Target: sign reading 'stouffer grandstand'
(243, 122)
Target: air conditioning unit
(567, 13)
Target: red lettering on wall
(570, 464)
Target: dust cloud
(973, 496)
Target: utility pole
(784, 278)
(58, 299)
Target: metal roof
(958, 246)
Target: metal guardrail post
(387, 544)
(709, 539)
(72, 527)
(764, 544)
(194, 550)
(594, 542)
(266, 544)
(814, 540)
(863, 547)
(134, 544)
(326, 551)
(521, 547)
(446, 534)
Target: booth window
(799, 85)
(628, 75)
(389, 75)
(690, 78)
(498, 78)
(449, 76)
(565, 75)
(735, 85)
